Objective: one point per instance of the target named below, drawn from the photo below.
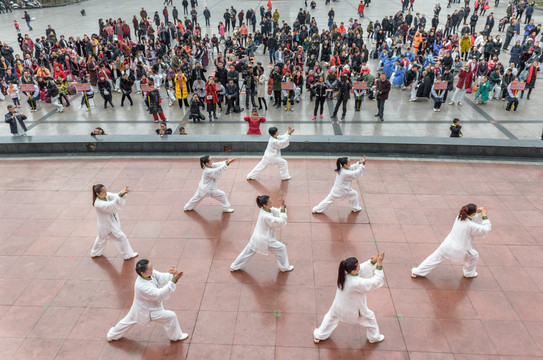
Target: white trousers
(216, 194)
(352, 196)
(414, 90)
(470, 263)
(458, 95)
(165, 317)
(275, 247)
(330, 322)
(171, 96)
(121, 243)
(268, 161)
(138, 85)
(55, 102)
(118, 84)
(495, 92)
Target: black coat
(425, 87)
(12, 121)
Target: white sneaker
(472, 276)
(290, 268)
(451, 103)
(459, 103)
(183, 337)
(358, 209)
(290, 177)
(381, 338)
(229, 210)
(315, 340)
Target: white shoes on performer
(183, 337)
(381, 338)
(290, 268)
(134, 255)
(471, 276)
(229, 210)
(285, 179)
(358, 209)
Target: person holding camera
(17, 126)
(250, 87)
(105, 91)
(344, 93)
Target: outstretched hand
(230, 161)
(380, 258)
(125, 190)
(290, 130)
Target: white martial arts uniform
(208, 186)
(343, 188)
(272, 156)
(263, 240)
(458, 246)
(109, 226)
(147, 307)
(350, 303)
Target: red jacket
(464, 79)
(211, 94)
(254, 125)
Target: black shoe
(377, 115)
(333, 116)
(226, 113)
(343, 117)
(260, 108)
(380, 117)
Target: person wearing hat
(15, 120)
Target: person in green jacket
(484, 87)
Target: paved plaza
(58, 303)
(402, 118)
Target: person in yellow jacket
(181, 90)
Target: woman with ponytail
(354, 280)
(343, 186)
(458, 245)
(107, 206)
(263, 239)
(208, 184)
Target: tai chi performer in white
(208, 184)
(343, 185)
(458, 245)
(272, 155)
(263, 239)
(354, 280)
(151, 288)
(107, 206)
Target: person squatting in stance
(458, 245)
(354, 280)
(343, 185)
(107, 207)
(272, 155)
(150, 290)
(208, 184)
(264, 239)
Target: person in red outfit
(211, 98)
(254, 122)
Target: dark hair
(262, 200)
(455, 120)
(345, 267)
(340, 162)
(466, 210)
(96, 189)
(272, 131)
(204, 160)
(141, 266)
